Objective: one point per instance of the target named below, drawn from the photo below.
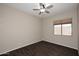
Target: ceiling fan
(43, 8)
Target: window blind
(64, 21)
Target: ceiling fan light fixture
(42, 10)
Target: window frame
(61, 29)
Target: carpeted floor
(43, 49)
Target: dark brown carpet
(43, 49)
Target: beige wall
(69, 41)
(78, 26)
(17, 29)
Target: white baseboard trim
(61, 44)
(30, 44)
(18, 48)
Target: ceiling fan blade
(42, 5)
(47, 11)
(36, 9)
(50, 6)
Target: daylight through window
(63, 27)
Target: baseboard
(35, 43)
(61, 45)
(6, 52)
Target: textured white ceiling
(58, 8)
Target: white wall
(17, 29)
(69, 41)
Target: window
(63, 27)
(66, 29)
(57, 29)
